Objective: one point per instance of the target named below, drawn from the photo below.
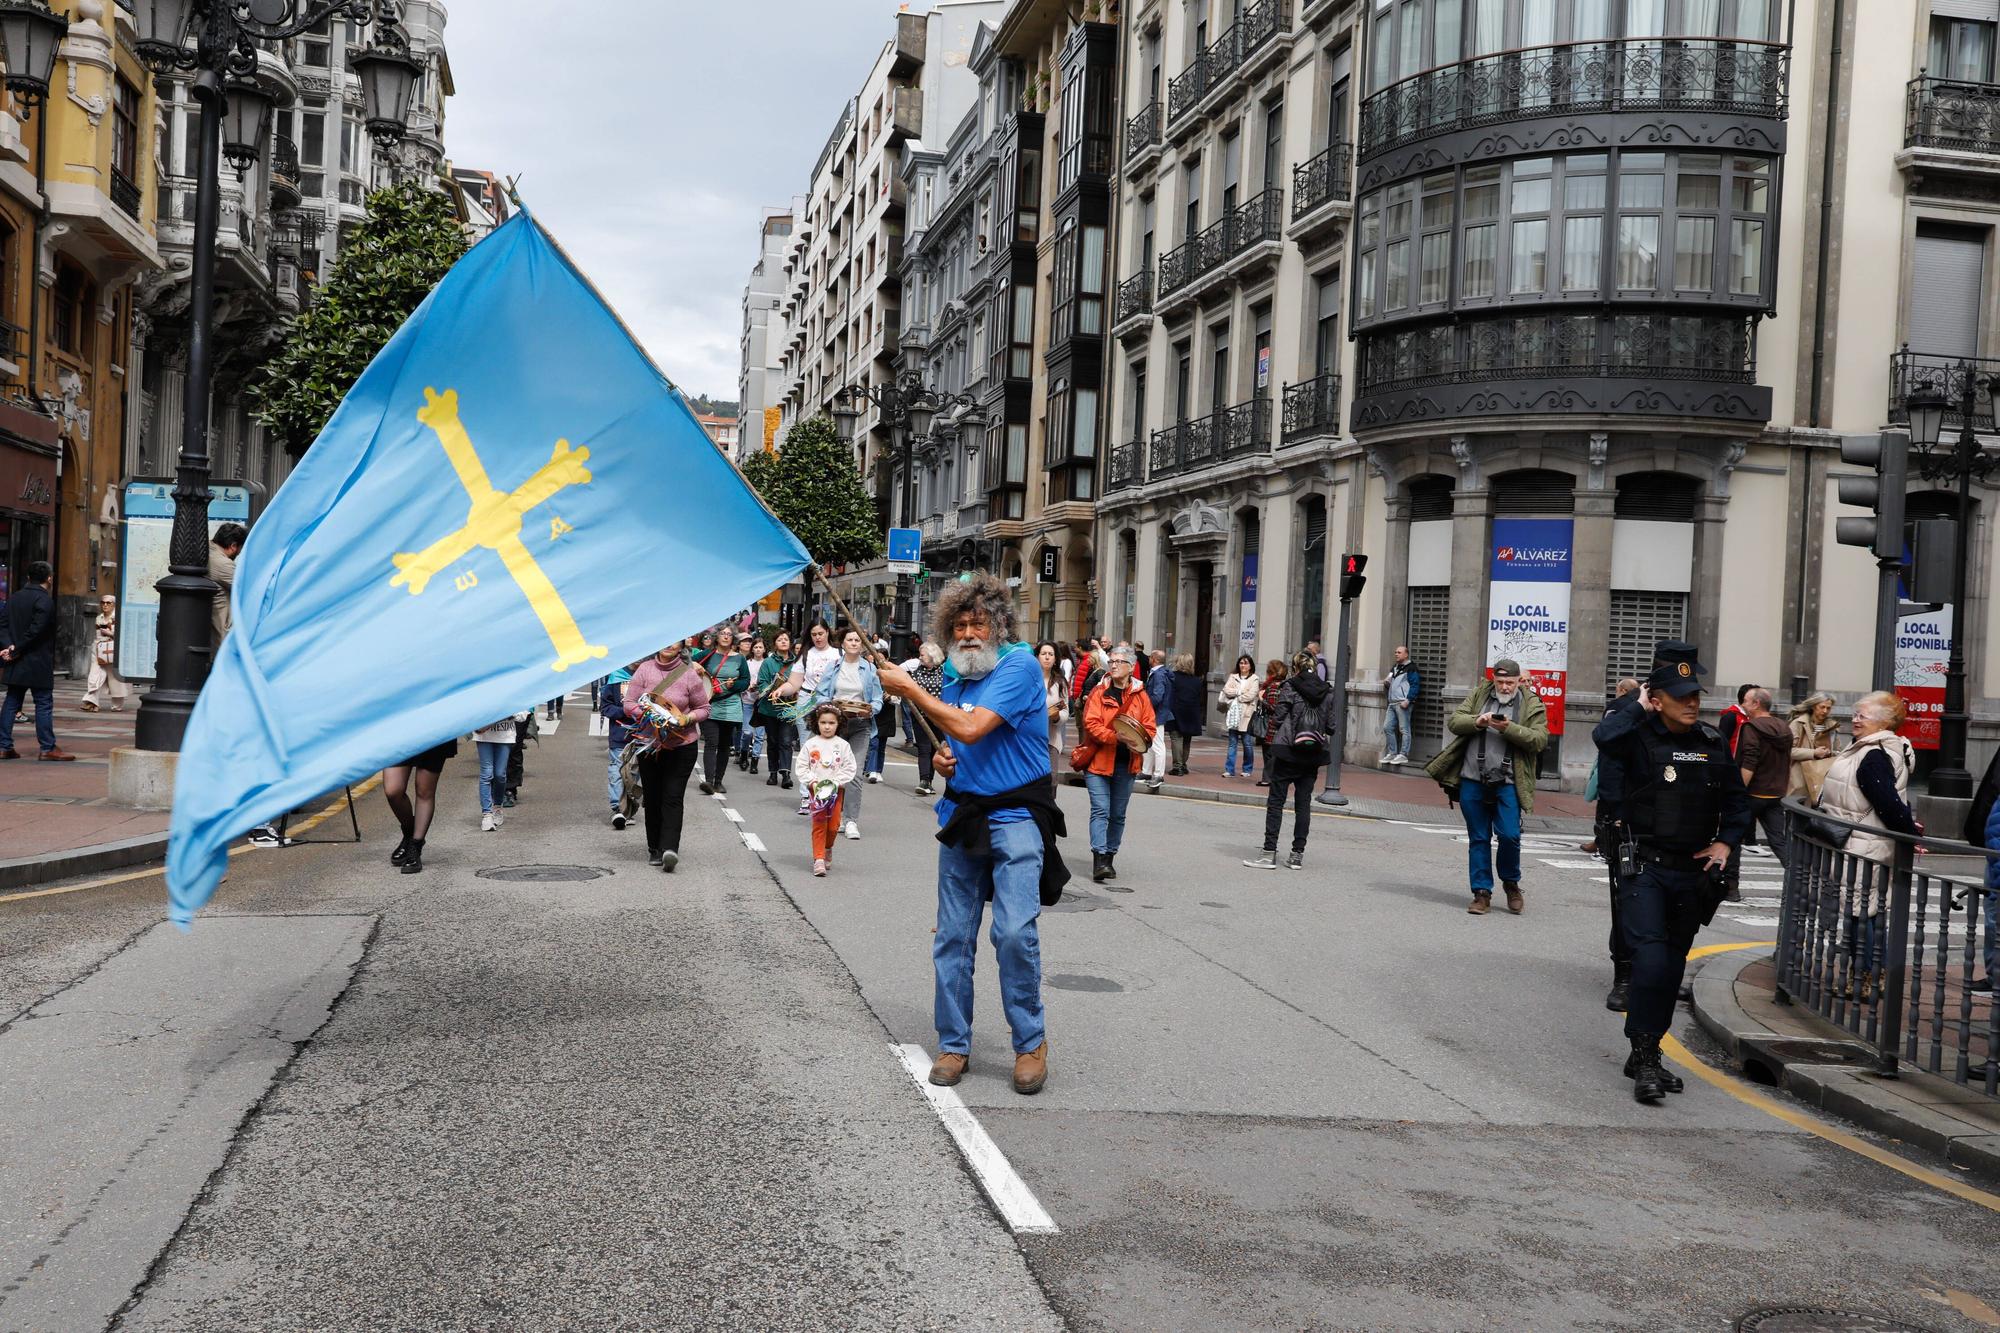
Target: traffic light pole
(1341, 650)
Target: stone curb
(27, 872)
(1840, 1089)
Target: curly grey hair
(987, 596)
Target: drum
(1130, 732)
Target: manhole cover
(1079, 981)
(1076, 902)
(1822, 1319)
(540, 874)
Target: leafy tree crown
(811, 485)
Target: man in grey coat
(28, 662)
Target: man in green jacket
(1489, 768)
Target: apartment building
(762, 337)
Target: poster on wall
(149, 529)
(1247, 635)
(1528, 607)
(1923, 647)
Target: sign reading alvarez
(1528, 608)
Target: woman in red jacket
(1118, 727)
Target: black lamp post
(911, 410)
(30, 35)
(217, 40)
(1958, 462)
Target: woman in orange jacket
(1118, 727)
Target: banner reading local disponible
(1923, 648)
(1528, 607)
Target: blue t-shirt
(1016, 751)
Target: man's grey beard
(974, 660)
(1506, 696)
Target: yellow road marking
(336, 807)
(1686, 1059)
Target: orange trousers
(826, 827)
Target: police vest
(1673, 786)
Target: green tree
(403, 248)
(811, 485)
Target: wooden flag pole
(880, 660)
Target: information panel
(1528, 607)
(148, 528)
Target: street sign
(906, 546)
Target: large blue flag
(511, 501)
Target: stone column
(1590, 595)
(1471, 508)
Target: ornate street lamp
(217, 41)
(30, 34)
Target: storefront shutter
(1639, 620)
(1428, 639)
(1944, 300)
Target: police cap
(1673, 652)
(1676, 670)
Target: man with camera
(1684, 812)
(1489, 769)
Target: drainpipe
(1834, 55)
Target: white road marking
(717, 796)
(1016, 1203)
(753, 842)
(731, 815)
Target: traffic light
(1933, 560)
(1889, 455)
(1352, 580)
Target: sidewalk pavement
(1788, 1046)
(55, 821)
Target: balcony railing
(1143, 131)
(1643, 344)
(1910, 371)
(1135, 298)
(1947, 113)
(1312, 409)
(1324, 179)
(1231, 432)
(1213, 65)
(1125, 465)
(125, 194)
(1236, 231)
(1680, 74)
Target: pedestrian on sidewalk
(1319, 661)
(411, 789)
(826, 768)
(104, 659)
(667, 701)
(611, 706)
(729, 680)
(1275, 674)
(1869, 784)
(999, 823)
(1684, 809)
(1160, 693)
(1238, 701)
(28, 650)
(854, 686)
(1764, 754)
(1730, 721)
(1304, 736)
(1815, 736)
(525, 729)
(750, 734)
(1118, 727)
(777, 694)
(1489, 769)
(1055, 688)
(555, 708)
(1400, 692)
(929, 674)
(1608, 829)
(808, 668)
(222, 552)
(495, 743)
(1186, 723)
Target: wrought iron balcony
(1124, 467)
(125, 194)
(284, 173)
(1213, 65)
(1312, 409)
(1947, 375)
(1142, 132)
(1949, 114)
(1321, 181)
(1247, 225)
(1231, 432)
(1135, 298)
(1678, 74)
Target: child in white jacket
(824, 765)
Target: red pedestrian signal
(1352, 580)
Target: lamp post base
(186, 602)
(1954, 784)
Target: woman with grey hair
(1814, 731)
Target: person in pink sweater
(666, 701)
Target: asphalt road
(1331, 1099)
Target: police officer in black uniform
(1684, 808)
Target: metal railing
(1650, 73)
(1910, 371)
(1213, 65)
(1647, 344)
(1887, 950)
(1247, 225)
(1322, 180)
(1135, 297)
(1143, 131)
(125, 194)
(1312, 408)
(1125, 466)
(1229, 432)
(1952, 114)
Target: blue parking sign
(906, 545)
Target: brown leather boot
(1514, 900)
(1032, 1070)
(1482, 903)
(948, 1069)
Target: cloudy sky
(648, 137)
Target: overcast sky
(648, 137)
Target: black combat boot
(413, 857)
(1650, 1082)
(1621, 984)
(1100, 867)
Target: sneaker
(1983, 986)
(652, 858)
(266, 836)
(498, 819)
(1268, 861)
(617, 820)
(819, 868)
(874, 777)
(668, 860)
(852, 830)
(88, 706)
(486, 823)
(707, 789)
(924, 789)
(1297, 861)
(720, 790)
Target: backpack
(1308, 728)
(1076, 700)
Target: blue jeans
(493, 757)
(614, 785)
(45, 717)
(1014, 873)
(874, 764)
(1230, 740)
(1490, 808)
(1396, 731)
(1110, 793)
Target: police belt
(1652, 854)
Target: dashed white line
(1016, 1203)
(731, 815)
(753, 842)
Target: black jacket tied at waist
(969, 831)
